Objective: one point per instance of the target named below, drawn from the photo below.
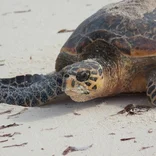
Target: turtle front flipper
(38, 92)
(151, 88)
(20, 81)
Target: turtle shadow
(59, 107)
(65, 106)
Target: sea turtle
(111, 52)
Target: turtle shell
(128, 25)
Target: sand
(29, 43)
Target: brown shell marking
(136, 46)
(90, 38)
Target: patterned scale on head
(83, 81)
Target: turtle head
(83, 81)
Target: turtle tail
(30, 90)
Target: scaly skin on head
(86, 80)
(83, 80)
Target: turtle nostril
(66, 75)
(83, 76)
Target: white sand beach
(29, 43)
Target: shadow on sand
(65, 105)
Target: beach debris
(20, 112)
(143, 148)
(65, 30)
(76, 113)
(126, 139)
(16, 145)
(1, 141)
(6, 13)
(88, 4)
(7, 111)
(131, 109)
(150, 130)
(73, 149)
(111, 133)
(8, 126)
(49, 129)
(22, 11)
(10, 135)
(68, 136)
(2, 62)
(16, 12)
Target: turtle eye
(83, 76)
(66, 75)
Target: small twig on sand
(3, 141)
(6, 13)
(22, 11)
(65, 31)
(20, 112)
(10, 125)
(143, 148)
(111, 134)
(16, 145)
(126, 139)
(49, 129)
(7, 111)
(72, 149)
(76, 113)
(68, 136)
(9, 134)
